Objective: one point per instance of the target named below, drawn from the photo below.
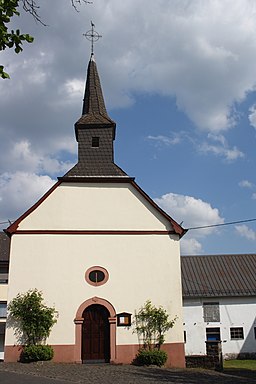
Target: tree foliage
(31, 318)
(10, 38)
(14, 38)
(151, 324)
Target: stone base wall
(204, 361)
(124, 354)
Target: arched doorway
(96, 334)
(79, 320)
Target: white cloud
(202, 59)
(190, 247)
(22, 158)
(193, 213)
(70, 93)
(205, 58)
(245, 184)
(254, 196)
(18, 191)
(221, 149)
(218, 138)
(252, 115)
(245, 231)
(229, 154)
(205, 61)
(165, 140)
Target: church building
(97, 247)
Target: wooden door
(95, 334)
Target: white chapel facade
(98, 248)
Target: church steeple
(95, 133)
(93, 97)
(94, 111)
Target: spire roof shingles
(94, 122)
(94, 110)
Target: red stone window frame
(97, 283)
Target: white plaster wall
(234, 312)
(195, 327)
(238, 312)
(3, 292)
(140, 267)
(92, 206)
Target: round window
(96, 276)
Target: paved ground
(50, 373)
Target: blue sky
(179, 80)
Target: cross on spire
(92, 36)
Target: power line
(222, 224)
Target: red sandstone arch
(79, 321)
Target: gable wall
(140, 267)
(94, 206)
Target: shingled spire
(95, 133)
(94, 111)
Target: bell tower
(95, 130)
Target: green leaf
(9, 38)
(3, 74)
(29, 38)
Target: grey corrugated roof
(4, 247)
(218, 275)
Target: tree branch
(74, 3)
(31, 7)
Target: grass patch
(240, 364)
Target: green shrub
(151, 357)
(31, 318)
(36, 353)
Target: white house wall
(140, 268)
(3, 292)
(234, 312)
(108, 206)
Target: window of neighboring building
(211, 312)
(95, 142)
(237, 333)
(3, 274)
(3, 309)
(96, 276)
(212, 334)
(185, 336)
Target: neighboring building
(4, 267)
(219, 304)
(97, 247)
